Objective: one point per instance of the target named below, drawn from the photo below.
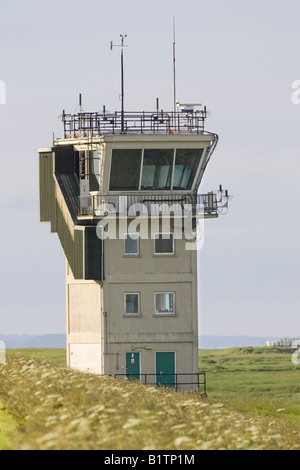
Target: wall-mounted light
(147, 348)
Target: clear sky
(239, 58)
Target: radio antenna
(122, 36)
(174, 68)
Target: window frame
(138, 244)
(172, 314)
(167, 253)
(132, 314)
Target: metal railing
(94, 124)
(151, 204)
(177, 380)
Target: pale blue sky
(239, 59)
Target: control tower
(121, 190)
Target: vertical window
(131, 244)
(186, 165)
(125, 169)
(132, 304)
(163, 243)
(157, 169)
(164, 302)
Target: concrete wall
(147, 274)
(84, 324)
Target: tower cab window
(186, 165)
(154, 169)
(157, 169)
(125, 170)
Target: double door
(164, 368)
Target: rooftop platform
(187, 121)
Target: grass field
(260, 380)
(253, 403)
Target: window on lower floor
(163, 244)
(132, 303)
(131, 244)
(164, 302)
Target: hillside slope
(58, 408)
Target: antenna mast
(174, 75)
(122, 36)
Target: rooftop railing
(95, 124)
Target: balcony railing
(100, 205)
(94, 124)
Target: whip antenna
(122, 36)
(174, 68)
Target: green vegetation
(8, 427)
(53, 355)
(253, 403)
(258, 380)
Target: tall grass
(58, 408)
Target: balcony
(98, 205)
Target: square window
(131, 244)
(132, 304)
(163, 244)
(165, 303)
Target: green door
(133, 366)
(165, 369)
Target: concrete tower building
(121, 190)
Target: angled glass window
(131, 242)
(164, 303)
(157, 169)
(132, 302)
(125, 169)
(186, 165)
